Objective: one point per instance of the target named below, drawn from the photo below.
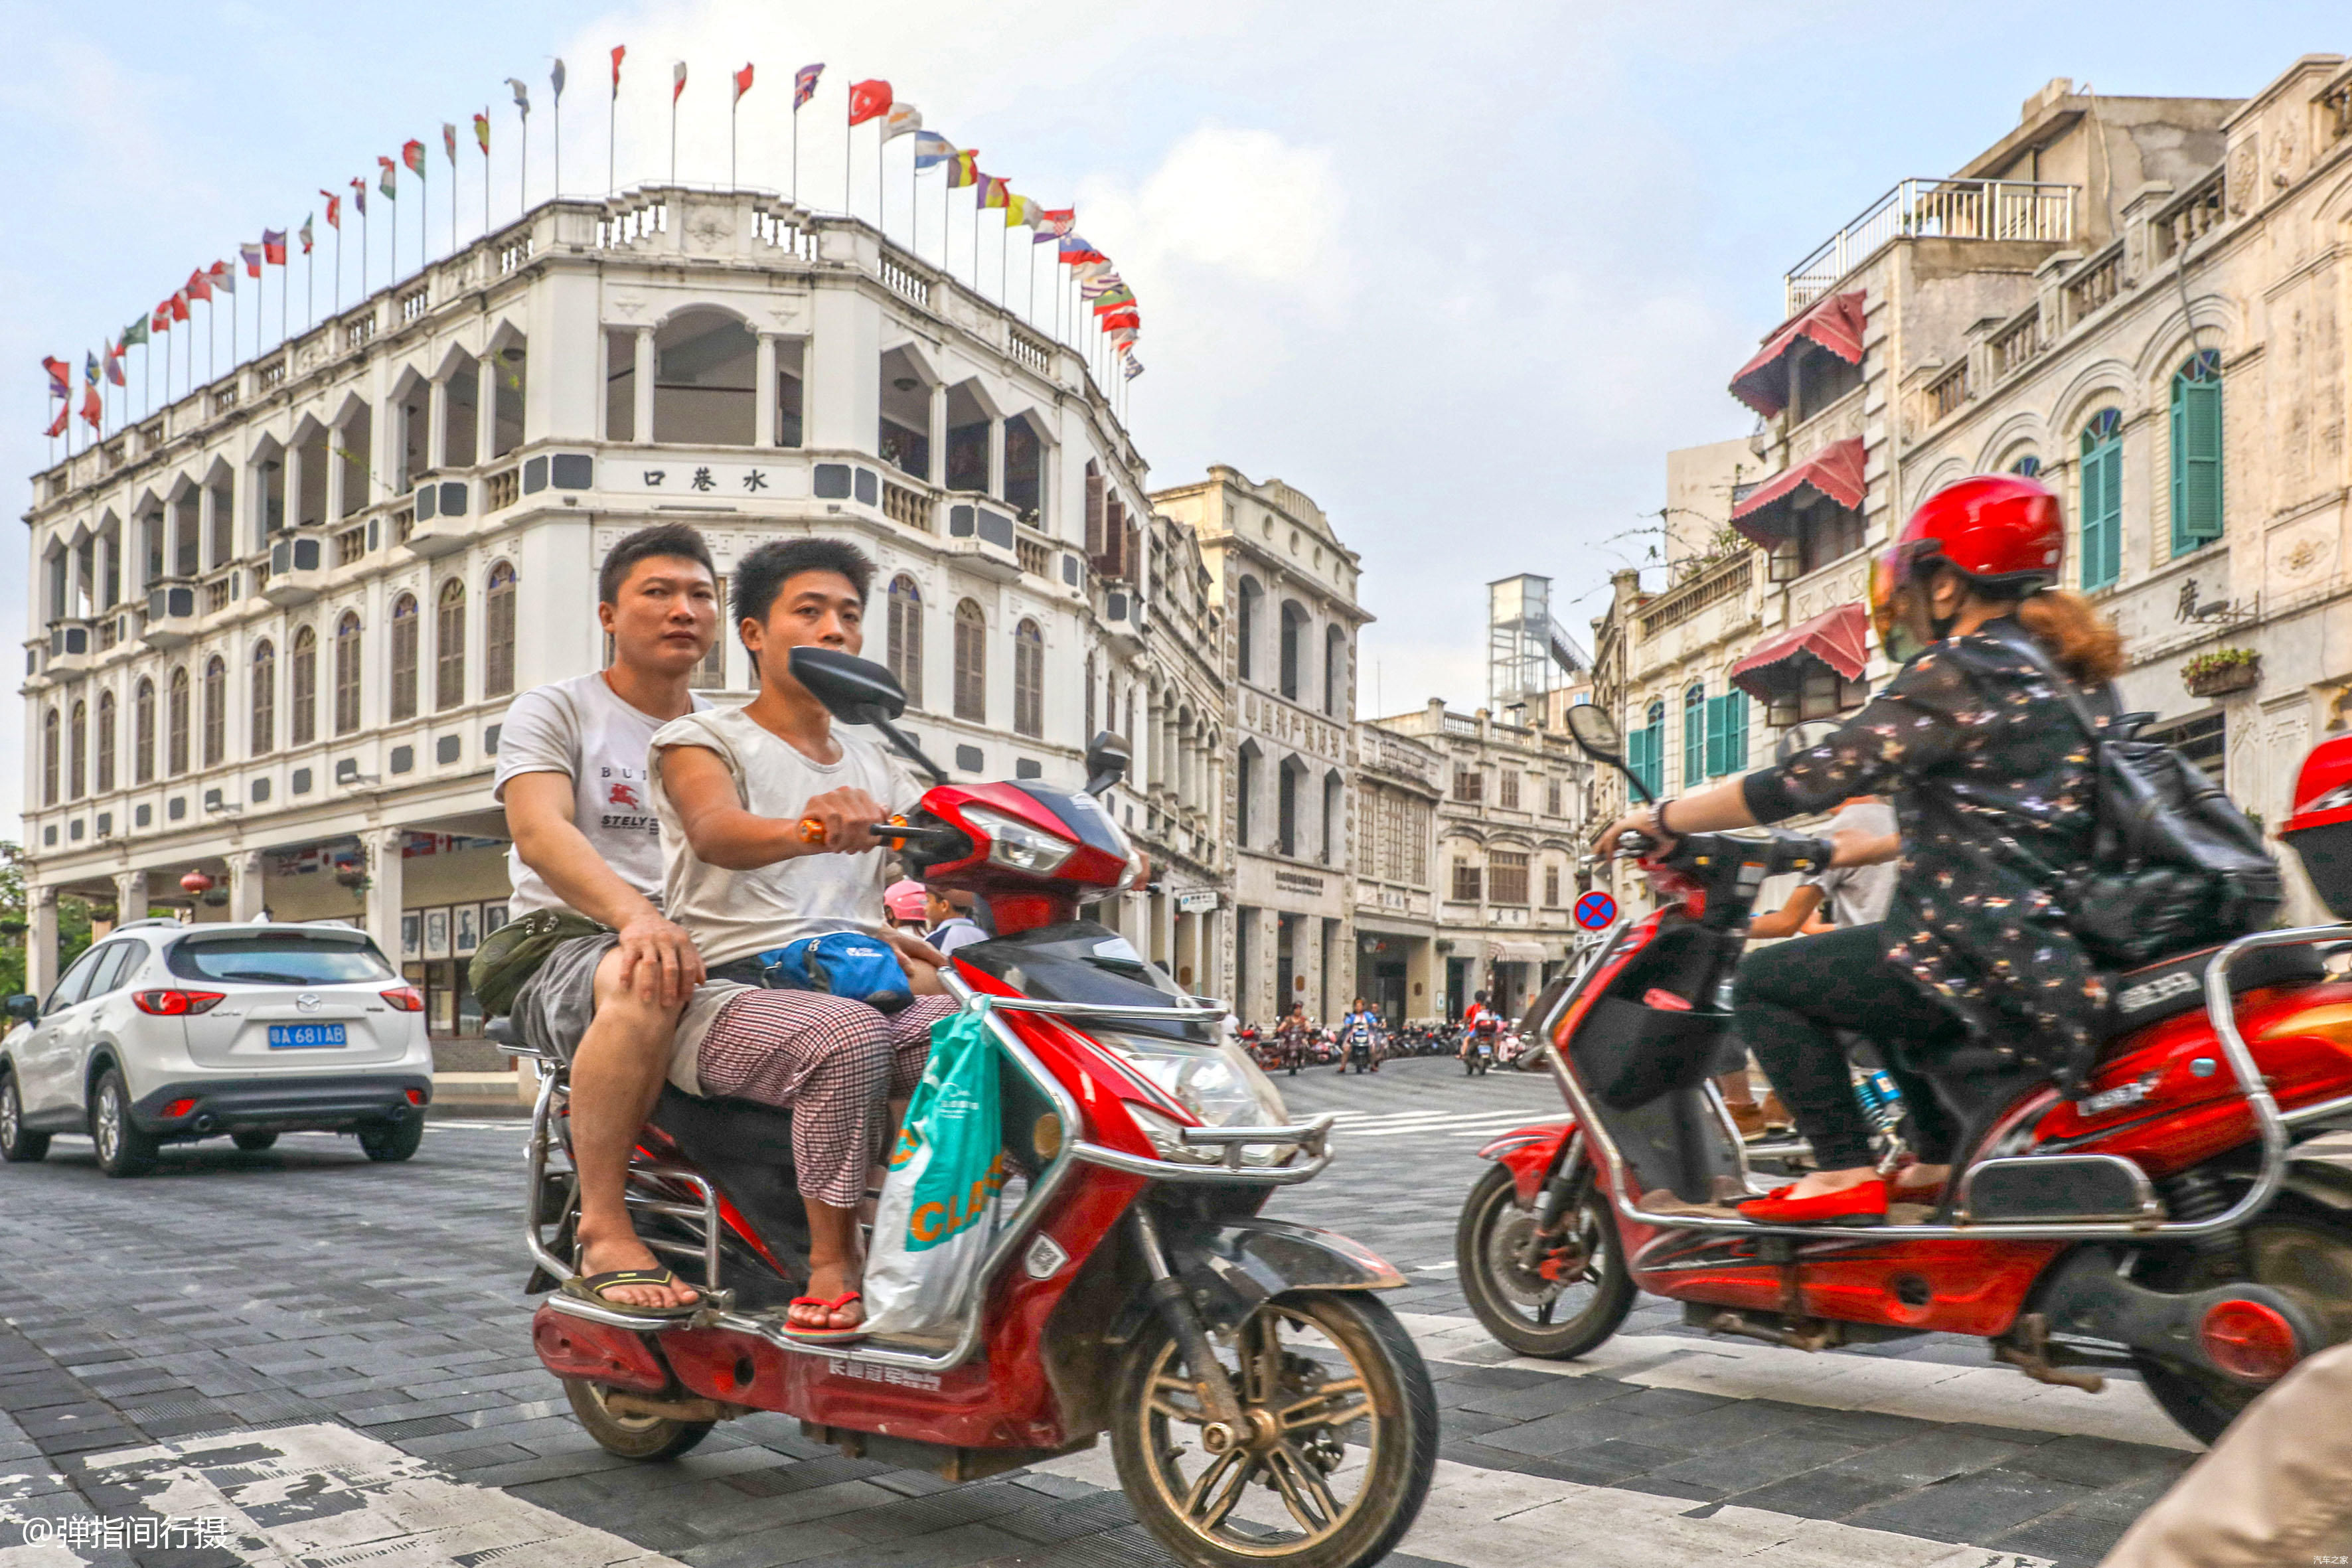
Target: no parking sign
(1595, 910)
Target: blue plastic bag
(843, 963)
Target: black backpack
(2177, 865)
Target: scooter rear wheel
(1339, 1446)
(645, 1438)
(1533, 1315)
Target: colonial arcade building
(276, 626)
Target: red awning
(1837, 639)
(1834, 322)
(1767, 516)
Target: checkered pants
(833, 1062)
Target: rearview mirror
(1596, 732)
(24, 1008)
(853, 690)
(1106, 760)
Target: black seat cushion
(2175, 986)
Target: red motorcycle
(1131, 1284)
(2189, 1218)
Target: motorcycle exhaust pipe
(203, 1123)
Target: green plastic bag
(931, 1227)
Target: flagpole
(364, 244)
(392, 257)
(733, 108)
(556, 131)
(523, 169)
(486, 171)
(232, 317)
(284, 298)
(848, 140)
(612, 133)
(796, 143)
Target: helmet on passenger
(2001, 531)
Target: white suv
(163, 1033)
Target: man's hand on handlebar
(841, 822)
(1637, 834)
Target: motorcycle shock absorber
(2196, 1193)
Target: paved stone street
(332, 1357)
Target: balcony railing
(2195, 213)
(1934, 209)
(502, 489)
(1730, 581)
(910, 508)
(2100, 280)
(1945, 393)
(1035, 559)
(2016, 344)
(905, 282)
(351, 544)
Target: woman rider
(1993, 786)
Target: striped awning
(1835, 321)
(1839, 639)
(1769, 514)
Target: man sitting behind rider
(572, 776)
(1478, 1019)
(732, 787)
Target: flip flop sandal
(825, 1336)
(592, 1288)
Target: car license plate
(304, 1037)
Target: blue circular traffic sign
(1595, 910)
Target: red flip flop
(825, 1336)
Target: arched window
(347, 673)
(970, 663)
(105, 742)
(302, 721)
(706, 386)
(1246, 605)
(906, 630)
(78, 753)
(404, 620)
(216, 711)
(498, 633)
(2027, 467)
(1694, 735)
(264, 737)
(143, 732)
(49, 745)
(1028, 680)
(2102, 505)
(1294, 637)
(449, 647)
(1335, 670)
(2196, 451)
(175, 724)
(1646, 749)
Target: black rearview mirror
(859, 691)
(1106, 760)
(1592, 729)
(23, 1007)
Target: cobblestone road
(329, 1360)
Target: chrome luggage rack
(1311, 1138)
(2270, 1123)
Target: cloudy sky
(1462, 272)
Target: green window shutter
(2102, 511)
(1637, 756)
(2111, 538)
(2196, 462)
(1714, 706)
(1735, 732)
(1694, 741)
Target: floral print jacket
(1994, 789)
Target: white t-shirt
(579, 729)
(1858, 895)
(959, 931)
(734, 914)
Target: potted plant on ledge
(2222, 670)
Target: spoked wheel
(1579, 1290)
(1338, 1445)
(2300, 1253)
(631, 1436)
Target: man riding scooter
(1482, 1027)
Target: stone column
(938, 474)
(381, 846)
(437, 425)
(40, 940)
(763, 391)
(641, 383)
(129, 897)
(244, 884)
(293, 512)
(339, 472)
(996, 457)
(487, 373)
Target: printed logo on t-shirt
(625, 802)
(624, 795)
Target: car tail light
(415, 1097)
(2248, 1340)
(175, 1003)
(178, 1109)
(406, 999)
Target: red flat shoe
(1863, 1203)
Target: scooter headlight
(1217, 1083)
(1017, 845)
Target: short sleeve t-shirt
(580, 729)
(735, 914)
(1858, 895)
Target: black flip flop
(590, 1287)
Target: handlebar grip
(1631, 842)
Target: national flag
(224, 278)
(522, 95)
(57, 426)
(1134, 368)
(482, 131)
(93, 412)
(742, 82)
(334, 217)
(1096, 288)
(114, 363)
(449, 142)
(1122, 336)
(161, 317)
(1019, 209)
(677, 80)
(306, 226)
(179, 303)
(136, 333)
(904, 119)
(619, 52)
(1113, 299)
(60, 375)
(1111, 320)
(412, 152)
(199, 287)
(932, 149)
(385, 177)
(273, 247)
(1054, 222)
(1074, 251)
(555, 79)
(89, 369)
(804, 83)
(868, 101)
(1083, 270)
(994, 192)
(963, 169)
(251, 256)
(359, 196)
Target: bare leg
(617, 1077)
(835, 1265)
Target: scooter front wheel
(1579, 1288)
(631, 1436)
(1338, 1441)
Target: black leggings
(1788, 999)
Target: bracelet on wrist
(1658, 816)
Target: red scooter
(2190, 1218)
(1264, 1407)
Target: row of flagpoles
(1091, 288)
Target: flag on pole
(412, 152)
(224, 278)
(1096, 288)
(1112, 320)
(449, 142)
(334, 217)
(992, 191)
(742, 82)
(306, 226)
(963, 168)
(482, 131)
(179, 303)
(57, 426)
(618, 51)
(359, 195)
(114, 363)
(904, 119)
(199, 286)
(89, 369)
(93, 412)
(1111, 300)
(385, 180)
(136, 333)
(273, 247)
(60, 375)
(932, 148)
(1020, 209)
(251, 256)
(1076, 251)
(1134, 368)
(160, 319)
(555, 79)
(804, 83)
(1054, 222)
(522, 95)
(677, 80)
(868, 101)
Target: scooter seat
(2175, 986)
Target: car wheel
(16, 1145)
(253, 1143)
(124, 1149)
(396, 1141)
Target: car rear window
(279, 958)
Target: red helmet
(2000, 531)
(2323, 791)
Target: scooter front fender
(1232, 1269)
(1530, 1153)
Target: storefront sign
(1196, 900)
